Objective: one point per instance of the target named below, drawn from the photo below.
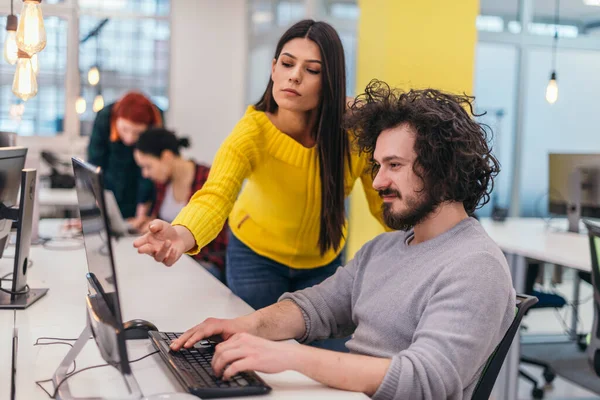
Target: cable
(17, 292)
(11, 292)
(53, 395)
(53, 338)
(51, 343)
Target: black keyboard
(192, 367)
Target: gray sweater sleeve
(444, 357)
(327, 307)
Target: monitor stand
(24, 217)
(61, 373)
(574, 202)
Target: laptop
(118, 224)
(191, 367)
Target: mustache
(389, 192)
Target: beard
(418, 209)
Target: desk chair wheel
(549, 376)
(537, 393)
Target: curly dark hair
(454, 160)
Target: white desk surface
(57, 197)
(174, 299)
(534, 238)
(6, 329)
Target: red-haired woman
(116, 129)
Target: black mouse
(138, 329)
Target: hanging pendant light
(94, 76)
(35, 64)
(98, 101)
(31, 33)
(552, 88)
(80, 105)
(24, 83)
(10, 43)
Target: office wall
(572, 124)
(208, 71)
(412, 44)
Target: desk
(6, 330)
(521, 238)
(173, 298)
(65, 198)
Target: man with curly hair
(426, 305)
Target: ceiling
(570, 10)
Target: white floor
(551, 321)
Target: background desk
(6, 330)
(174, 299)
(522, 238)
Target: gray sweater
(438, 309)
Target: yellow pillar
(411, 44)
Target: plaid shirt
(214, 252)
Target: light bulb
(80, 105)
(98, 103)
(25, 83)
(10, 43)
(35, 64)
(94, 76)
(31, 34)
(552, 89)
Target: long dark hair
(156, 140)
(332, 140)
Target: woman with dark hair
(116, 129)
(175, 180)
(288, 225)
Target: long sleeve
(97, 151)
(209, 207)
(445, 356)
(327, 307)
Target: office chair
(546, 300)
(593, 348)
(486, 382)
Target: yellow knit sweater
(277, 214)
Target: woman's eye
(285, 64)
(313, 71)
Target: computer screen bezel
(113, 321)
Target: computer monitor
(8, 139)
(574, 186)
(12, 161)
(12, 179)
(104, 320)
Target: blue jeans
(260, 281)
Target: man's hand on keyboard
(245, 352)
(226, 328)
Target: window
(44, 114)
(139, 62)
(138, 7)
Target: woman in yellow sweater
(288, 224)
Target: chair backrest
(593, 348)
(486, 382)
(8, 139)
